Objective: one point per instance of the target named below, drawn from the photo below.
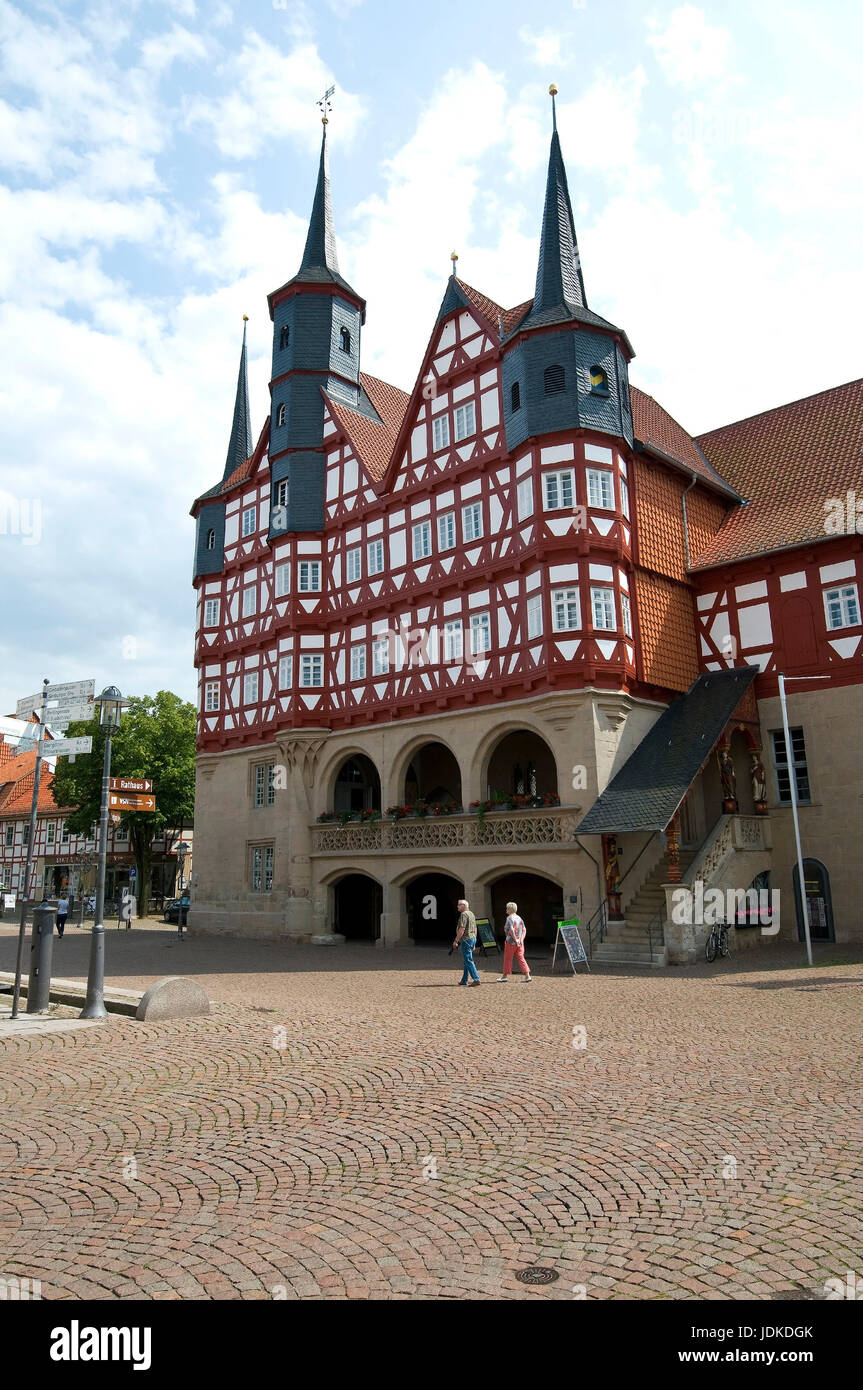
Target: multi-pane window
(375, 553)
(283, 580)
(265, 792)
(515, 396)
(471, 521)
(211, 612)
(250, 516)
(51, 832)
(480, 633)
(122, 832)
(380, 656)
(64, 834)
(312, 670)
(465, 420)
(281, 497)
(783, 772)
(453, 641)
(600, 488)
(26, 836)
(358, 661)
(624, 497)
(250, 600)
(10, 834)
(842, 607)
(281, 414)
(446, 531)
(310, 576)
(211, 695)
(250, 688)
(534, 616)
(626, 614)
(440, 432)
(354, 565)
(559, 489)
(602, 603)
(261, 868)
(286, 672)
(422, 540)
(211, 539)
(565, 610)
(525, 498)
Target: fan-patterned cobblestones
(416, 1140)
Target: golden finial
(552, 92)
(245, 318)
(454, 258)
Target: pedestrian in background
(62, 914)
(513, 948)
(465, 937)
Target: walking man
(513, 948)
(465, 937)
(62, 913)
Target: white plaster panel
(754, 624)
(787, 582)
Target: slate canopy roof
(648, 789)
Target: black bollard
(41, 948)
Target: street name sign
(131, 784)
(64, 747)
(118, 801)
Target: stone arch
(517, 759)
(410, 752)
(326, 779)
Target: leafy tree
(156, 739)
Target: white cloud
(270, 95)
(689, 50)
(543, 46)
(160, 51)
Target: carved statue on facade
(612, 877)
(729, 780)
(759, 783)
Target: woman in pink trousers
(513, 948)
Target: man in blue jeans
(465, 937)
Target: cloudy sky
(157, 162)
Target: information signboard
(485, 934)
(568, 933)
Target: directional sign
(74, 700)
(131, 784)
(117, 801)
(63, 747)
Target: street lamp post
(792, 781)
(110, 705)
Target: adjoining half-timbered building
(440, 636)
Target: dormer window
(281, 414)
(598, 382)
(284, 337)
(515, 397)
(345, 340)
(211, 539)
(555, 380)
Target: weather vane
(325, 104)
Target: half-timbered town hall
(516, 635)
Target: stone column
(394, 921)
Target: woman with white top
(513, 948)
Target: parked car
(173, 909)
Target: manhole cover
(537, 1274)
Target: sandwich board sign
(568, 933)
(485, 934)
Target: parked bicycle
(717, 941)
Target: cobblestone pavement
(416, 1140)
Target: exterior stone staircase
(627, 942)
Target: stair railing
(597, 925)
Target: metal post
(792, 779)
(31, 849)
(94, 1004)
(41, 950)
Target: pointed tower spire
(559, 282)
(241, 444)
(320, 256)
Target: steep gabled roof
(240, 443)
(660, 433)
(373, 440)
(787, 462)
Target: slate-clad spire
(320, 253)
(241, 444)
(558, 278)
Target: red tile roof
(372, 441)
(787, 463)
(659, 430)
(16, 786)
